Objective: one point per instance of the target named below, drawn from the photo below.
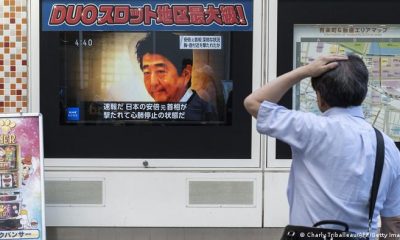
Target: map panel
(381, 55)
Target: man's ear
(187, 72)
(322, 104)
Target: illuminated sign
(123, 16)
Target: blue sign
(73, 114)
(155, 15)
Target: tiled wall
(13, 56)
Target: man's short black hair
(344, 86)
(167, 45)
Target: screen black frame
(291, 12)
(147, 141)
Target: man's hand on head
(274, 90)
(322, 64)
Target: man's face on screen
(162, 80)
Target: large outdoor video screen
(145, 77)
(377, 45)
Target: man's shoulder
(390, 145)
(199, 109)
(391, 152)
(196, 100)
(274, 112)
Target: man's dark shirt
(199, 110)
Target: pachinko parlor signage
(140, 15)
(21, 178)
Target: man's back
(333, 164)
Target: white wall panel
(276, 207)
(155, 199)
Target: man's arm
(390, 226)
(274, 90)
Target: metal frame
(272, 162)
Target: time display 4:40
(84, 42)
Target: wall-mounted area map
(377, 45)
